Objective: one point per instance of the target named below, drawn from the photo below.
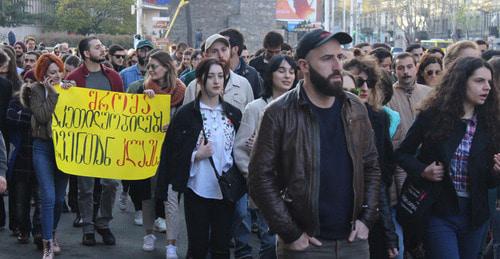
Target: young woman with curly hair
(452, 150)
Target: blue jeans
(453, 236)
(52, 185)
(242, 231)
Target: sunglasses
(435, 72)
(359, 82)
(119, 56)
(152, 66)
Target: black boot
(88, 239)
(107, 236)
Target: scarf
(176, 92)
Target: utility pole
(326, 23)
(343, 18)
(351, 22)
(332, 6)
(138, 24)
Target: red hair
(43, 63)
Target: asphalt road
(129, 239)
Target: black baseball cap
(318, 37)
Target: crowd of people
(347, 152)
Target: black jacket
(380, 124)
(252, 76)
(180, 141)
(5, 95)
(479, 165)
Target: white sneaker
(160, 225)
(171, 252)
(122, 203)
(149, 243)
(138, 218)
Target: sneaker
(48, 253)
(160, 225)
(23, 237)
(122, 203)
(171, 252)
(149, 243)
(138, 218)
(78, 222)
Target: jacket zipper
(313, 182)
(349, 150)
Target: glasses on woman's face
(359, 82)
(119, 56)
(433, 72)
(152, 66)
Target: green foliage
(52, 38)
(14, 13)
(95, 16)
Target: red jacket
(78, 75)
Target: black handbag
(412, 212)
(232, 183)
(414, 204)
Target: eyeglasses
(152, 66)
(435, 72)
(119, 56)
(359, 82)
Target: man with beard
(20, 49)
(92, 74)
(30, 43)
(406, 99)
(30, 59)
(137, 71)
(314, 171)
(117, 55)
(238, 65)
(237, 90)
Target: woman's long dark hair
(12, 75)
(203, 69)
(273, 65)
(447, 102)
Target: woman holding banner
(202, 130)
(41, 98)
(161, 79)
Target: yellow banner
(108, 134)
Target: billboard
(297, 10)
(157, 2)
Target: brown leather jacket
(284, 167)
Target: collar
(472, 120)
(302, 99)
(206, 107)
(231, 80)
(86, 72)
(407, 90)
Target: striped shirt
(458, 165)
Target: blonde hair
(453, 51)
